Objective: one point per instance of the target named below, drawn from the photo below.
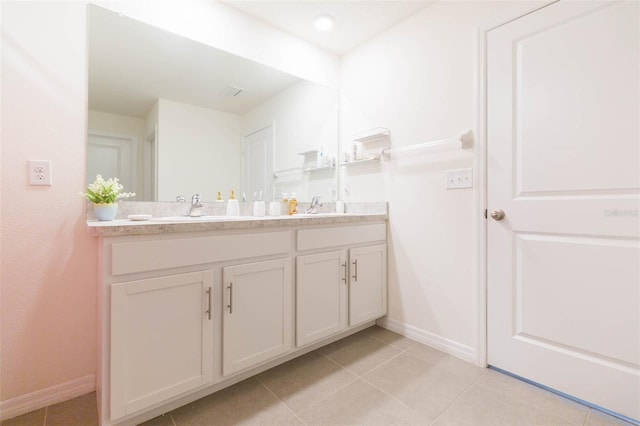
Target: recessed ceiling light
(323, 22)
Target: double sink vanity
(188, 306)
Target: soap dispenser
(259, 208)
(293, 204)
(233, 206)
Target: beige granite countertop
(121, 227)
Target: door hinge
(485, 214)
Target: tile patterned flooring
(375, 377)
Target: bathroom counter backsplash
(169, 217)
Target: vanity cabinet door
(367, 283)
(257, 313)
(321, 295)
(161, 339)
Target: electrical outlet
(39, 172)
(461, 178)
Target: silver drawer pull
(355, 270)
(208, 311)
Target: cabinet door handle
(344, 276)
(355, 270)
(209, 303)
(230, 305)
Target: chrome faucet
(196, 207)
(315, 204)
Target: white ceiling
(356, 21)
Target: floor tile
(305, 380)
(246, 403)
(445, 361)
(553, 404)
(163, 420)
(479, 406)
(78, 411)
(361, 404)
(359, 353)
(598, 418)
(390, 337)
(34, 418)
(419, 384)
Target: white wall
(305, 116)
(122, 125)
(199, 151)
(48, 263)
(419, 80)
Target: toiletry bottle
(219, 198)
(233, 206)
(284, 206)
(293, 204)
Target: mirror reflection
(173, 117)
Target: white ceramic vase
(104, 212)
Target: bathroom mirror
(173, 117)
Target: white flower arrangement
(105, 191)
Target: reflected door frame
(267, 134)
(126, 150)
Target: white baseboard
(443, 344)
(44, 397)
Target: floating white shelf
(378, 134)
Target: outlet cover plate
(39, 172)
(460, 178)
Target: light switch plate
(460, 178)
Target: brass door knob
(497, 215)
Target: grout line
(455, 400)
(281, 401)
(172, 419)
(381, 364)
(586, 418)
(46, 410)
(413, 342)
(389, 395)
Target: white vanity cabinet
(161, 339)
(333, 286)
(321, 295)
(256, 323)
(367, 283)
(186, 312)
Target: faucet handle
(180, 199)
(195, 200)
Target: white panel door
(564, 167)
(258, 163)
(161, 339)
(321, 295)
(112, 156)
(256, 324)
